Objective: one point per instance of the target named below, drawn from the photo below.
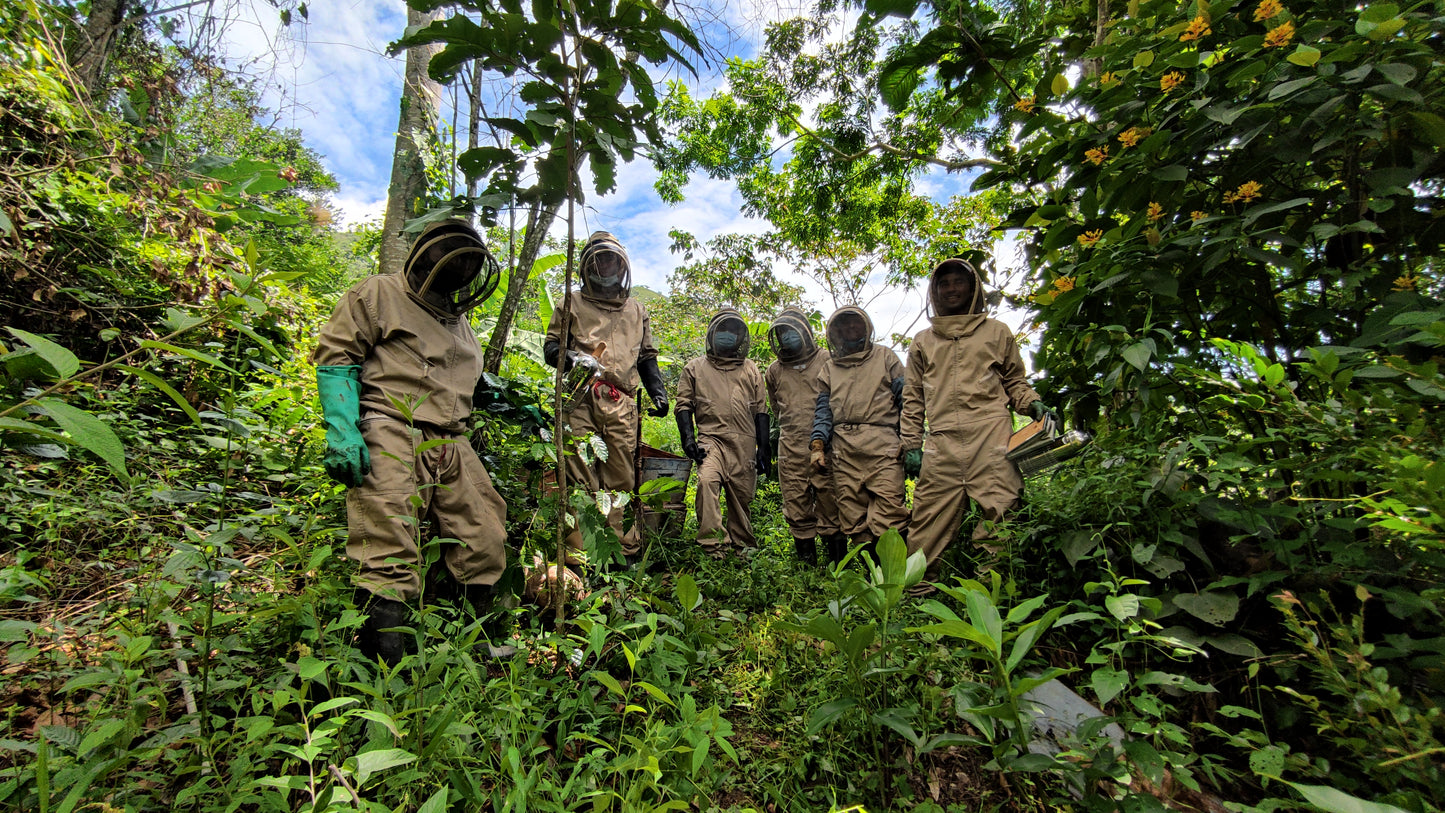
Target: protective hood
(606, 271)
(846, 322)
(730, 321)
(797, 321)
(956, 325)
(975, 305)
(449, 270)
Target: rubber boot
(837, 547)
(492, 643)
(807, 549)
(378, 638)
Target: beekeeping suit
(397, 364)
(964, 373)
(793, 382)
(605, 322)
(724, 393)
(856, 421)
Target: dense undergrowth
(1244, 574)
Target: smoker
(1038, 446)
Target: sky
(329, 77)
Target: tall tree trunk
(539, 221)
(420, 98)
(96, 41)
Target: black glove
(689, 437)
(764, 456)
(651, 376)
(552, 352)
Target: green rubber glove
(1039, 409)
(912, 462)
(347, 460)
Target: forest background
(1229, 221)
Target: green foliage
(596, 102)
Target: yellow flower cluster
(1197, 215)
(1089, 238)
(1097, 155)
(1156, 212)
(1279, 36)
(1025, 105)
(1108, 78)
(1268, 10)
(1198, 29)
(1170, 80)
(1064, 284)
(1406, 281)
(1134, 135)
(1247, 191)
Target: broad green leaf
(61, 361)
(1122, 607)
(1143, 59)
(28, 427)
(1304, 55)
(1059, 85)
(828, 712)
(436, 803)
(380, 760)
(985, 618)
(1337, 801)
(1138, 355)
(1107, 683)
(1432, 125)
(688, 596)
(1215, 607)
(91, 433)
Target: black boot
(837, 547)
(495, 626)
(807, 549)
(378, 637)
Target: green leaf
(1431, 125)
(380, 760)
(1107, 683)
(1304, 55)
(160, 384)
(1214, 607)
(1257, 212)
(685, 589)
(14, 425)
(436, 803)
(1060, 84)
(89, 432)
(828, 712)
(1173, 173)
(195, 355)
(1294, 85)
(1123, 607)
(1143, 59)
(1138, 355)
(62, 362)
(1337, 801)
(610, 682)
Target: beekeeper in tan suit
(793, 383)
(723, 392)
(855, 428)
(397, 365)
(964, 372)
(606, 323)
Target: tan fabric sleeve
(770, 379)
(759, 395)
(895, 366)
(1013, 374)
(911, 426)
(686, 386)
(348, 336)
(648, 349)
